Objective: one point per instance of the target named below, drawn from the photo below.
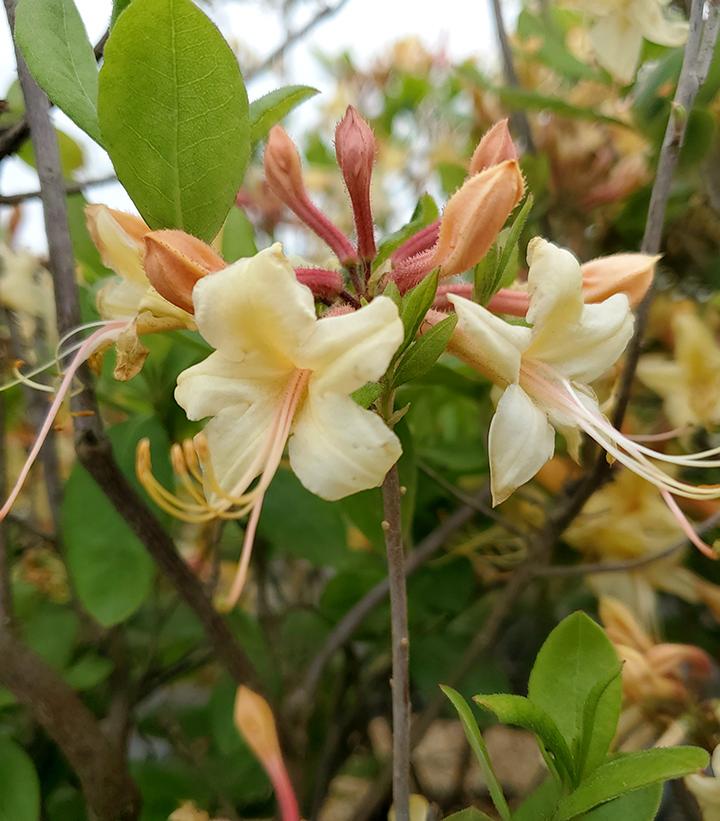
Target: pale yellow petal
(586, 349)
(345, 352)
(617, 42)
(555, 287)
(487, 342)
(255, 304)
(521, 441)
(120, 298)
(656, 25)
(118, 238)
(338, 448)
(217, 383)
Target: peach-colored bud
(495, 147)
(118, 237)
(355, 149)
(283, 170)
(255, 721)
(630, 274)
(175, 261)
(283, 173)
(475, 215)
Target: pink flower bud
(175, 261)
(495, 147)
(255, 722)
(323, 283)
(283, 173)
(355, 149)
(475, 215)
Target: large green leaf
(110, 569)
(19, 785)
(174, 115)
(521, 712)
(639, 805)
(424, 353)
(469, 814)
(477, 743)
(55, 45)
(269, 109)
(631, 772)
(574, 658)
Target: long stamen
(104, 334)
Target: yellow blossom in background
(706, 789)
(619, 27)
(689, 384)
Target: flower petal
(119, 239)
(217, 383)
(345, 352)
(236, 438)
(487, 342)
(587, 349)
(617, 42)
(337, 448)
(255, 304)
(656, 26)
(120, 298)
(521, 441)
(555, 286)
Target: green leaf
(118, 8)
(238, 239)
(574, 658)
(510, 242)
(415, 305)
(174, 115)
(269, 109)
(477, 743)
(590, 719)
(521, 712)
(368, 394)
(639, 805)
(55, 45)
(71, 155)
(469, 814)
(424, 353)
(88, 672)
(540, 805)
(631, 772)
(19, 785)
(110, 569)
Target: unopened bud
(475, 215)
(324, 283)
(630, 274)
(255, 722)
(283, 173)
(118, 237)
(175, 261)
(355, 149)
(495, 147)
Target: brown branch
(92, 446)
(401, 709)
(71, 188)
(292, 38)
(519, 118)
(101, 767)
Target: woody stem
(392, 526)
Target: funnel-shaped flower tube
(280, 375)
(544, 371)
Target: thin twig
(519, 118)
(71, 188)
(6, 610)
(93, 447)
(292, 38)
(401, 710)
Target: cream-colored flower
(26, 288)
(706, 789)
(619, 27)
(280, 375)
(568, 341)
(690, 383)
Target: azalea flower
(689, 384)
(543, 373)
(706, 789)
(619, 27)
(279, 375)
